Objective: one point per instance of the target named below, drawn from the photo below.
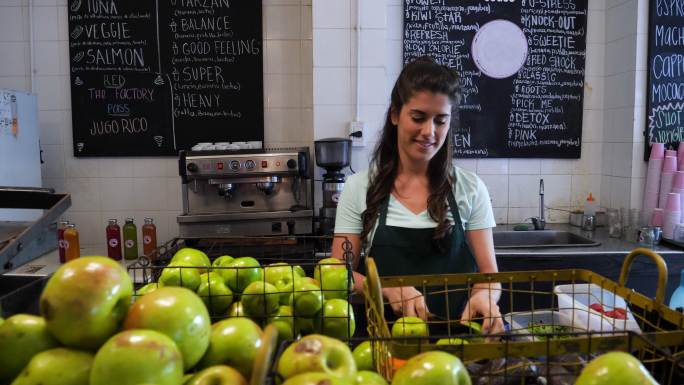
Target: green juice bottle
(130, 238)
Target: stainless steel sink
(544, 238)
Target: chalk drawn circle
(499, 49)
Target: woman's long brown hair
(422, 74)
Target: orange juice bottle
(149, 236)
(72, 247)
(60, 240)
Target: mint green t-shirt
(472, 197)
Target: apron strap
(454, 209)
(382, 220)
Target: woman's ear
(394, 115)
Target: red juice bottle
(60, 240)
(114, 240)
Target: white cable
(358, 61)
(31, 48)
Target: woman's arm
(484, 296)
(405, 301)
(337, 251)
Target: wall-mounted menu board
(665, 87)
(152, 77)
(522, 71)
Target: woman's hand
(406, 301)
(481, 303)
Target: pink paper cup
(673, 202)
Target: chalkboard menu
(665, 87)
(522, 71)
(149, 78)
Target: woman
(413, 211)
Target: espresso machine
(333, 155)
(246, 192)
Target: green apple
(430, 368)
(317, 353)
(305, 325)
(408, 327)
(615, 368)
(235, 310)
(192, 257)
(21, 337)
(284, 322)
(279, 271)
(333, 276)
(85, 301)
(366, 377)
(452, 341)
(2, 320)
(234, 342)
(181, 273)
(58, 366)
(242, 271)
(135, 357)
(336, 319)
(214, 293)
(179, 314)
(312, 281)
(363, 356)
(307, 300)
(223, 260)
(300, 271)
(317, 378)
(218, 375)
(286, 289)
(260, 299)
(187, 377)
(150, 287)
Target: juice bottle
(60, 240)
(130, 236)
(149, 235)
(71, 244)
(114, 240)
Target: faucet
(539, 222)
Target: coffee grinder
(332, 154)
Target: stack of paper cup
(673, 214)
(671, 153)
(666, 179)
(655, 166)
(657, 218)
(680, 156)
(678, 187)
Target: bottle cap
(129, 220)
(64, 223)
(112, 221)
(71, 225)
(149, 221)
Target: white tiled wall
(105, 188)
(623, 168)
(513, 183)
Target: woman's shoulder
(357, 181)
(466, 180)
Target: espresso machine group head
(252, 192)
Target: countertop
(608, 246)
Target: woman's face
(422, 125)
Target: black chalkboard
(522, 70)
(665, 87)
(150, 78)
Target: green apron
(407, 251)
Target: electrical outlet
(355, 127)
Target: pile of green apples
(279, 293)
(90, 332)
(317, 359)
